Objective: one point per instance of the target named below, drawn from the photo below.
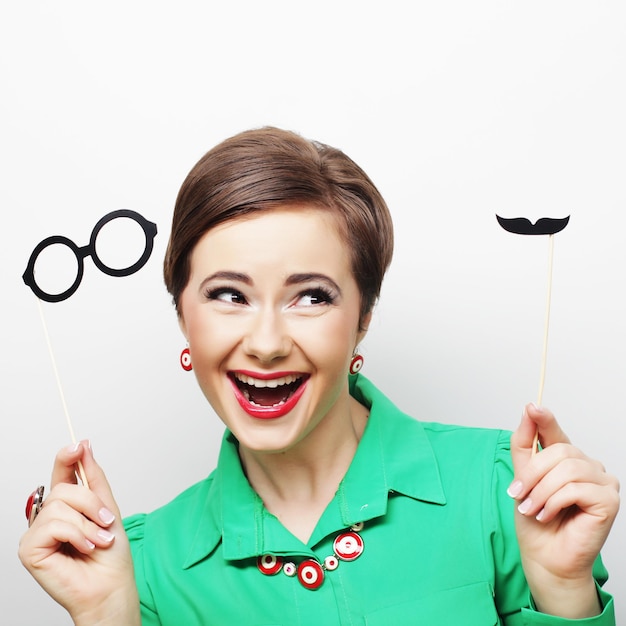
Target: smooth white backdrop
(457, 110)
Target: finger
(93, 535)
(522, 440)
(553, 470)
(37, 545)
(597, 501)
(522, 444)
(58, 527)
(64, 470)
(98, 482)
(550, 431)
(58, 533)
(84, 501)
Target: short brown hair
(267, 168)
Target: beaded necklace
(348, 546)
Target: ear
(183, 326)
(364, 327)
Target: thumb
(534, 420)
(96, 478)
(98, 482)
(522, 441)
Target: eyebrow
(297, 279)
(225, 275)
(293, 279)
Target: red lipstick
(274, 411)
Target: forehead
(294, 236)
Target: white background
(457, 110)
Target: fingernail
(540, 515)
(525, 506)
(73, 447)
(539, 409)
(515, 488)
(90, 545)
(105, 535)
(106, 516)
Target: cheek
(331, 343)
(208, 341)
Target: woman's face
(271, 313)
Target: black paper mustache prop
(523, 226)
(29, 278)
(544, 226)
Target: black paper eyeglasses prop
(150, 231)
(544, 226)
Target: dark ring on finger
(34, 504)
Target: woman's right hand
(77, 548)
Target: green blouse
(439, 543)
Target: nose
(267, 339)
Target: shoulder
(184, 508)
(466, 450)
(443, 435)
(412, 437)
(393, 419)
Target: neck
(296, 485)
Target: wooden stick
(544, 356)
(81, 469)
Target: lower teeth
(246, 394)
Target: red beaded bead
(348, 546)
(310, 574)
(269, 564)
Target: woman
(327, 506)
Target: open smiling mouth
(268, 398)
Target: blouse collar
(393, 456)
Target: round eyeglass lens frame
(149, 230)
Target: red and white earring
(356, 364)
(185, 360)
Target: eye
(315, 297)
(225, 294)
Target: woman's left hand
(566, 505)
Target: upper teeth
(272, 382)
